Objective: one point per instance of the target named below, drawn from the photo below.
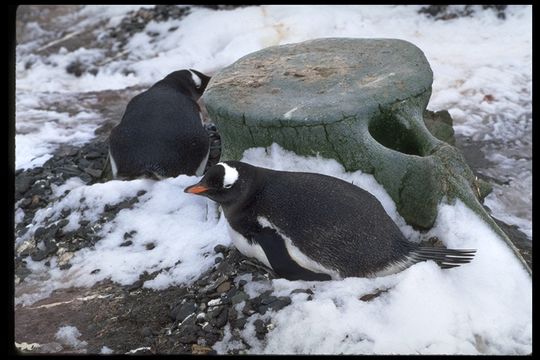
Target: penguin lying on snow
(161, 133)
(309, 226)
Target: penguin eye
(228, 186)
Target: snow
(106, 351)
(484, 307)
(68, 335)
(188, 232)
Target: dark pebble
(85, 177)
(220, 249)
(302, 291)
(129, 235)
(260, 328)
(83, 163)
(38, 255)
(22, 183)
(217, 260)
(239, 297)
(76, 68)
(69, 170)
(221, 319)
(268, 299)
(126, 243)
(93, 172)
(93, 155)
(65, 213)
(239, 323)
(26, 203)
(182, 311)
(141, 192)
(50, 245)
(150, 246)
(95, 271)
(65, 266)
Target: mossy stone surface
(359, 101)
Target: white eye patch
(196, 79)
(230, 176)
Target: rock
(359, 101)
(76, 68)
(218, 317)
(201, 350)
(224, 287)
(129, 235)
(95, 173)
(38, 255)
(182, 311)
(371, 296)
(301, 291)
(23, 183)
(220, 249)
(213, 286)
(239, 297)
(239, 323)
(126, 243)
(261, 328)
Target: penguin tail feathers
(445, 258)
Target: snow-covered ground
(482, 69)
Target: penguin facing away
(308, 226)
(161, 132)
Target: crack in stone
(332, 144)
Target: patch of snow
(68, 335)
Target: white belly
(250, 250)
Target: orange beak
(196, 189)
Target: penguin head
(224, 182)
(192, 81)
(200, 80)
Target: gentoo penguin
(161, 133)
(308, 226)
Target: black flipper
(282, 263)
